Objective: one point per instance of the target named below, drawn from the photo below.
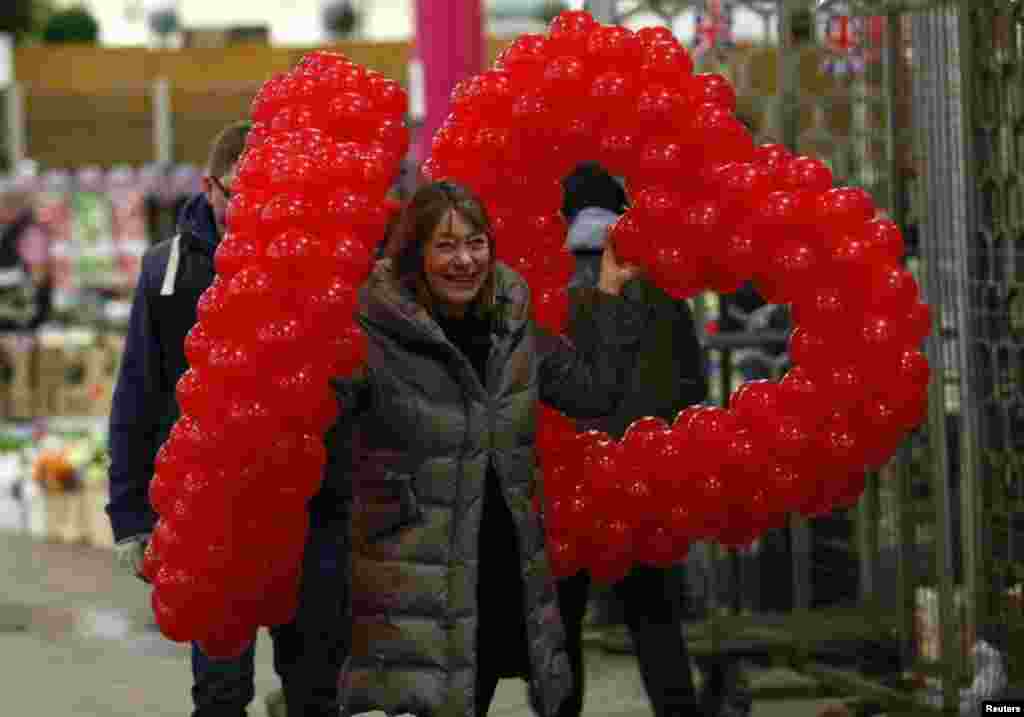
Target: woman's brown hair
(424, 211)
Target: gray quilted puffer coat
(417, 459)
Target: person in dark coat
(175, 273)
(450, 582)
(667, 375)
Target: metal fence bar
(163, 131)
(15, 111)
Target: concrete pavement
(77, 640)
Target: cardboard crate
(82, 392)
(49, 374)
(17, 358)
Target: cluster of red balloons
(233, 478)
(709, 210)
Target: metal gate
(929, 117)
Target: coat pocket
(387, 506)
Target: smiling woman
(443, 250)
(436, 440)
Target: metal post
(944, 241)
(785, 96)
(16, 135)
(603, 10)
(163, 129)
(903, 528)
(867, 536)
(975, 588)
(800, 546)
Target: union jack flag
(714, 27)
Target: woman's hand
(613, 274)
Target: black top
(472, 336)
(502, 641)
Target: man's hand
(613, 274)
(131, 552)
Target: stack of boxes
(58, 374)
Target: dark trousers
(308, 652)
(652, 599)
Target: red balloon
(682, 419)
(657, 202)
(229, 641)
(235, 252)
(799, 393)
(388, 96)
(882, 433)
(913, 368)
(711, 88)
(566, 75)
(775, 157)
(793, 272)
(666, 62)
(173, 623)
(825, 309)
(657, 105)
(524, 59)
(163, 491)
(736, 262)
(678, 270)
(884, 237)
(806, 174)
(742, 186)
(195, 395)
(755, 401)
(568, 31)
(852, 262)
(893, 291)
(267, 100)
(711, 428)
(564, 559)
(289, 209)
(632, 241)
(840, 445)
(614, 46)
(165, 542)
(252, 290)
(650, 36)
(808, 349)
(662, 160)
(790, 437)
(843, 384)
(551, 307)
(845, 206)
(918, 323)
(246, 209)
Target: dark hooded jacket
(441, 462)
(668, 368)
(175, 273)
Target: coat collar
(392, 308)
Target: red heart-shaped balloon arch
(708, 210)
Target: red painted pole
(450, 44)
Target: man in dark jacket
(309, 651)
(668, 375)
